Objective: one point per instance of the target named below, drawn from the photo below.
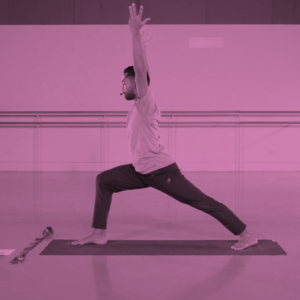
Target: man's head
(128, 84)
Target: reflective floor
(268, 202)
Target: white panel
(117, 146)
(205, 148)
(271, 148)
(71, 146)
(17, 149)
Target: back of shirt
(143, 136)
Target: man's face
(129, 88)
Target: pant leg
(169, 180)
(115, 180)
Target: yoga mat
(161, 247)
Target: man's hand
(135, 21)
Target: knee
(100, 178)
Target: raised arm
(145, 42)
(139, 53)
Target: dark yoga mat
(161, 247)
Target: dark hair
(130, 73)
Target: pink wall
(80, 67)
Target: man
(151, 167)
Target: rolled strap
(48, 231)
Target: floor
(268, 203)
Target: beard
(130, 96)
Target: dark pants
(168, 180)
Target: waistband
(171, 167)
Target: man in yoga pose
(151, 167)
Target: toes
(236, 248)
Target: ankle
(245, 233)
(99, 231)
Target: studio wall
(215, 55)
(80, 68)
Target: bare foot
(94, 238)
(247, 240)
